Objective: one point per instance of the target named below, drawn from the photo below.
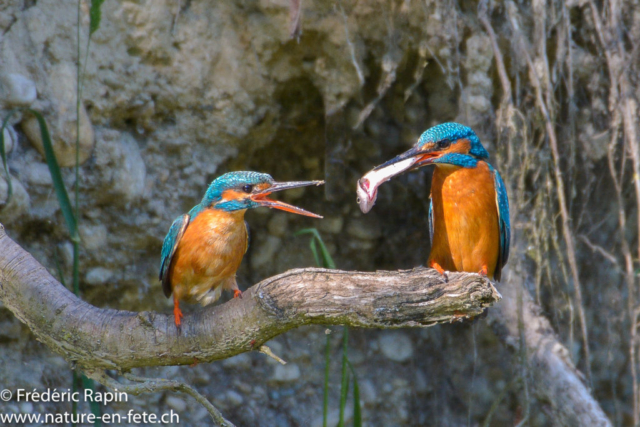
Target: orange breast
(465, 219)
(209, 253)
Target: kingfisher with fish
(204, 248)
(469, 208)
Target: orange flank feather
(466, 236)
(232, 194)
(208, 255)
(462, 146)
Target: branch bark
(95, 338)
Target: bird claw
(484, 271)
(440, 270)
(237, 293)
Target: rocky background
(178, 92)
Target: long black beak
(410, 153)
(420, 158)
(263, 200)
(279, 186)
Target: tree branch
(95, 338)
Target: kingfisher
(204, 248)
(469, 208)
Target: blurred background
(178, 92)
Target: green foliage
(325, 391)
(326, 261)
(323, 259)
(357, 411)
(344, 388)
(94, 16)
(56, 177)
(88, 384)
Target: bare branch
(599, 249)
(507, 98)
(352, 49)
(152, 385)
(295, 17)
(419, 71)
(390, 63)
(554, 377)
(266, 350)
(96, 338)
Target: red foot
(437, 267)
(195, 363)
(484, 271)
(177, 313)
(237, 293)
(440, 270)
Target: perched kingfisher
(469, 208)
(204, 248)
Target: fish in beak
(261, 198)
(367, 188)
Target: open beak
(262, 199)
(413, 158)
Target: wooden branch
(95, 338)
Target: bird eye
(444, 143)
(247, 188)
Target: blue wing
(169, 247)
(502, 203)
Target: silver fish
(367, 188)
